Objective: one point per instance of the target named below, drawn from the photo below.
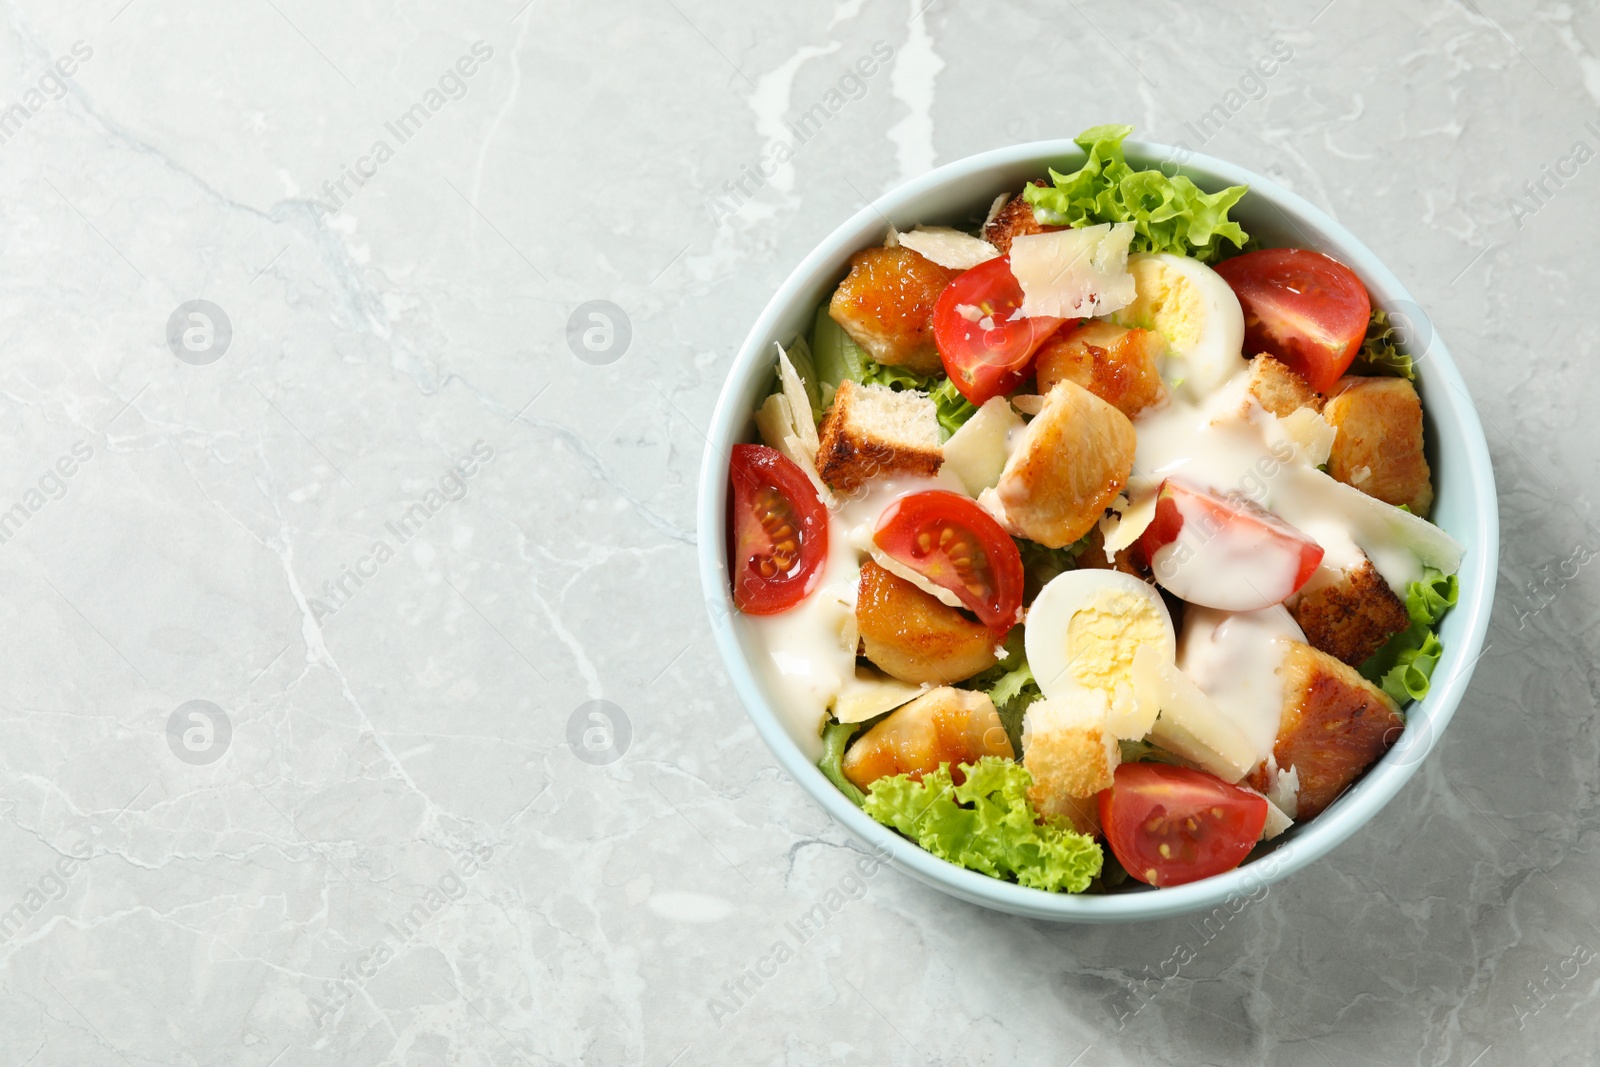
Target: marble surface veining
(359, 701)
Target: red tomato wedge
(955, 544)
(1170, 825)
(985, 348)
(1308, 310)
(1225, 552)
(777, 531)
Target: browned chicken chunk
(1335, 724)
(886, 304)
(1379, 446)
(1117, 365)
(914, 636)
(1351, 617)
(943, 725)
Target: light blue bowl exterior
(1465, 506)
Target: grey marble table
(322, 534)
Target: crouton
(886, 304)
(1075, 457)
(1072, 755)
(1378, 449)
(943, 725)
(1350, 616)
(1335, 724)
(1014, 220)
(1117, 365)
(872, 431)
(1280, 390)
(914, 637)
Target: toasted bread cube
(872, 431)
(913, 636)
(1116, 364)
(886, 304)
(1072, 754)
(1014, 220)
(1280, 390)
(943, 725)
(1075, 457)
(1351, 615)
(1335, 724)
(1379, 444)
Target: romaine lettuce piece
(835, 737)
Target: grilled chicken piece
(1117, 365)
(886, 304)
(1379, 446)
(1279, 389)
(914, 636)
(943, 725)
(1015, 220)
(1351, 616)
(1335, 724)
(1075, 457)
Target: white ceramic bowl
(1465, 505)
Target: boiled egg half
(1082, 633)
(1195, 312)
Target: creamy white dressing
(1227, 444)
(1235, 658)
(810, 649)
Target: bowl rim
(1317, 837)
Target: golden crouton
(886, 304)
(914, 636)
(1014, 220)
(1352, 617)
(1379, 444)
(943, 725)
(1117, 365)
(1335, 724)
(1072, 755)
(1280, 390)
(1075, 457)
(872, 431)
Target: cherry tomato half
(1223, 552)
(984, 348)
(777, 531)
(952, 542)
(1308, 310)
(1170, 825)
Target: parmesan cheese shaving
(1080, 273)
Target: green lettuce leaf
(1168, 214)
(1011, 685)
(1403, 667)
(835, 737)
(986, 824)
(954, 409)
(1380, 354)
